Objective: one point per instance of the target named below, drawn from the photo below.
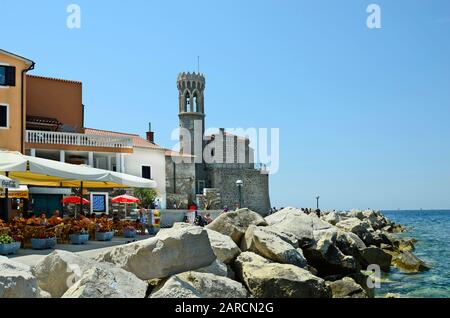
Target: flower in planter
(6, 239)
(77, 229)
(18, 238)
(104, 226)
(42, 235)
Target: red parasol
(75, 200)
(125, 199)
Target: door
(46, 203)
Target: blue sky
(363, 114)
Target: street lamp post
(239, 184)
(317, 198)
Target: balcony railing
(61, 138)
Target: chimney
(150, 134)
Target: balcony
(62, 140)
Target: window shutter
(10, 76)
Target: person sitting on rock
(318, 212)
(200, 221)
(208, 218)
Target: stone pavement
(90, 249)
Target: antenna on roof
(149, 126)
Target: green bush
(147, 196)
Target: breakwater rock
(288, 254)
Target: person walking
(142, 221)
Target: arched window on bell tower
(187, 101)
(195, 102)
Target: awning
(49, 173)
(15, 193)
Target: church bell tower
(191, 87)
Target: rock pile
(288, 254)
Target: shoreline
(288, 254)
(429, 228)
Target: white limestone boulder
(349, 243)
(286, 236)
(60, 270)
(295, 222)
(271, 246)
(333, 218)
(171, 252)
(235, 223)
(223, 246)
(102, 282)
(217, 268)
(18, 281)
(199, 285)
(326, 257)
(376, 256)
(347, 288)
(358, 227)
(356, 214)
(272, 280)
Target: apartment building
(44, 117)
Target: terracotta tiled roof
(55, 79)
(137, 140)
(43, 120)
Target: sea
(432, 231)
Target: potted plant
(129, 232)
(104, 231)
(43, 240)
(8, 245)
(79, 235)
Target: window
(2, 76)
(200, 186)
(7, 75)
(195, 102)
(147, 172)
(4, 114)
